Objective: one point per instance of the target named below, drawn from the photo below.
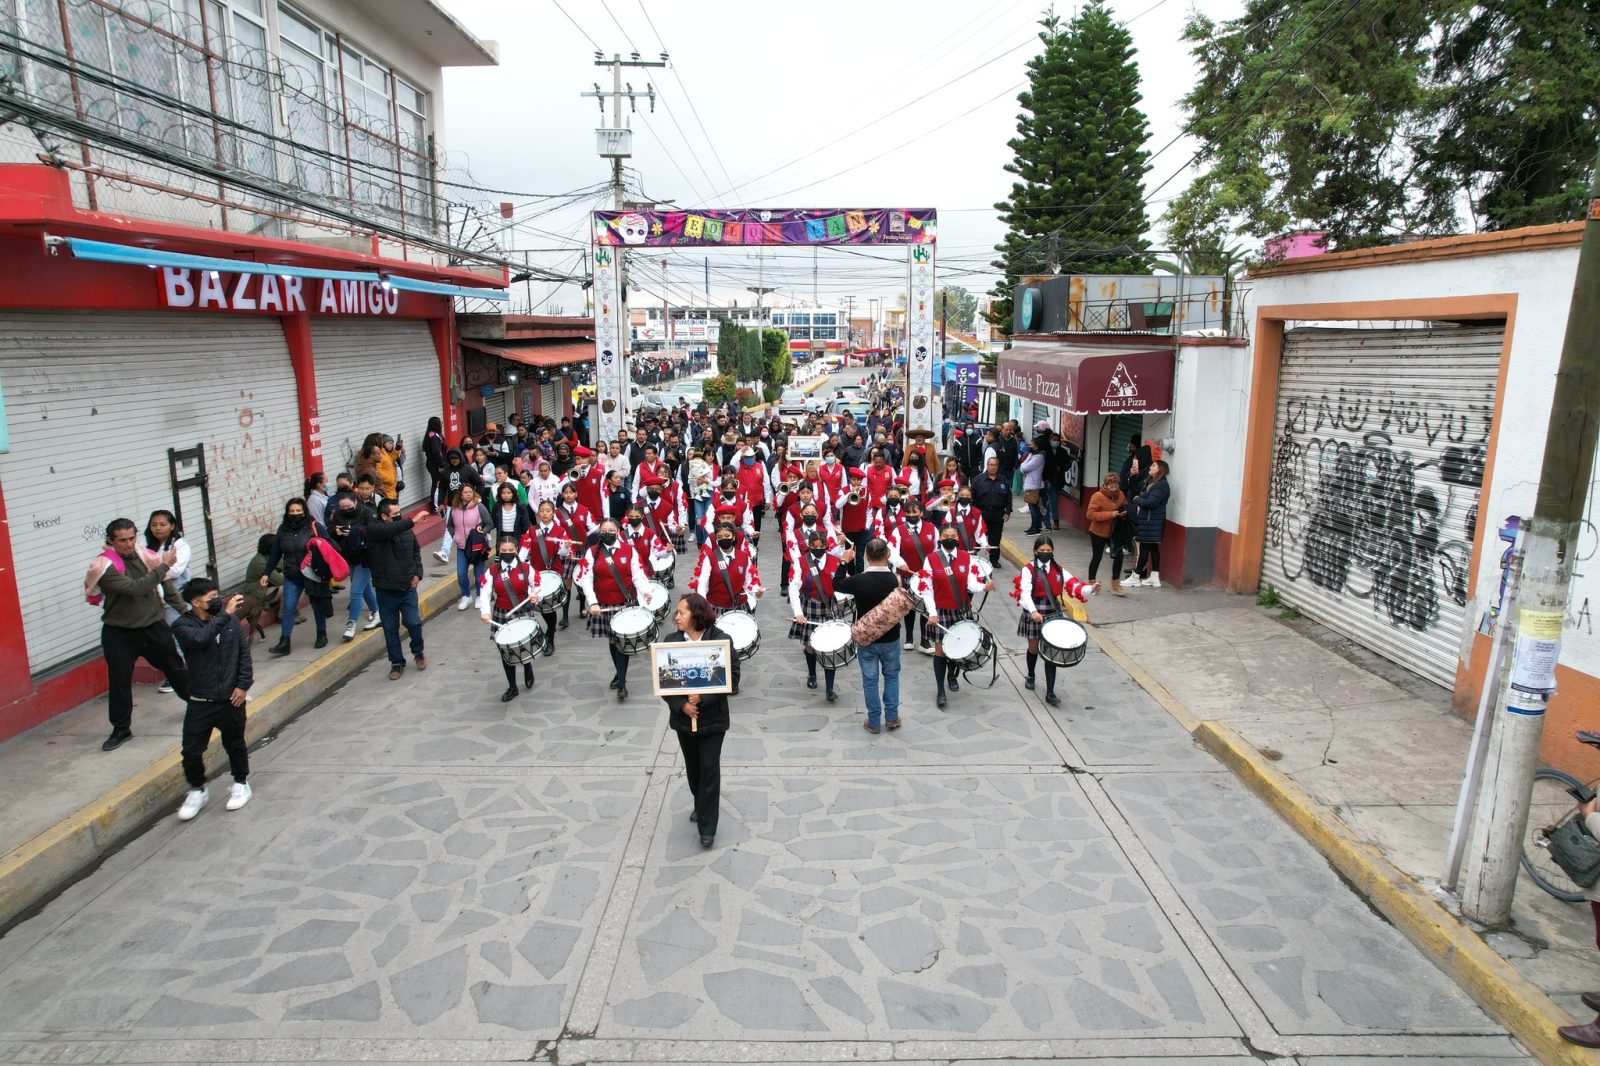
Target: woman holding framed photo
(701, 719)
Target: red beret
(948, 483)
(724, 509)
(856, 471)
(650, 478)
(581, 451)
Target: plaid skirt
(600, 624)
(1027, 627)
(950, 616)
(570, 567)
(679, 541)
(500, 618)
(815, 611)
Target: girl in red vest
(578, 522)
(545, 547)
(811, 600)
(853, 517)
(946, 583)
(1038, 591)
(503, 594)
(726, 572)
(610, 577)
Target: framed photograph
(803, 449)
(690, 668)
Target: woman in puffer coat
(1149, 523)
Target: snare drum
(742, 631)
(662, 571)
(1063, 642)
(549, 593)
(633, 629)
(655, 598)
(984, 567)
(834, 645)
(519, 640)
(967, 645)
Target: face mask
(749, 462)
(725, 543)
(728, 494)
(655, 494)
(965, 503)
(505, 562)
(949, 544)
(635, 522)
(608, 539)
(913, 519)
(1043, 556)
(894, 505)
(830, 460)
(818, 553)
(811, 521)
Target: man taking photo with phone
(217, 648)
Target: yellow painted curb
(34, 870)
(1495, 984)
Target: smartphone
(1582, 793)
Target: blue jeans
(700, 509)
(291, 602)
(885, 659)
(1049, 497)
(394, 608)
(477, 569)
(361, 591)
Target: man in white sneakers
(217, 649)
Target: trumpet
(573, 475)
(853, 499)
(785, 486)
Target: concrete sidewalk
(1364, 759)
(68, 804)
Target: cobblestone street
(429, 874)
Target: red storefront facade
(123, 380)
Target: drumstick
(496, 625)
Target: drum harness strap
(1043, 577)
(626, 587)
(544, 556)
(814, 580)
(727, 583)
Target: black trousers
(993, 527)
(858, 541)
(702, 765)
(757, 513)
(199, 719)
(122, 646)
(1099, 545)
(1149, 559)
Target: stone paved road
(428, 874)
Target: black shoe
(693, 817)
(563, 623)
(509, 694)
(1052, 699)
(527, 679)
(955, 686)
(550, 649)
(832, 695)
(117, 738)
(321, 641)
(1031, 532)
(735, 688)
(280, 648)
(706, 842)
(811, 682)
(622, 694)
(941, 700)
(615, 684)
(1027, 683)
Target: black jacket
(433, 452)
(524, 519)
(713, 709)
(393, 554)
(349, 532)
(218, 654)
(870, 588)
(991, 494)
